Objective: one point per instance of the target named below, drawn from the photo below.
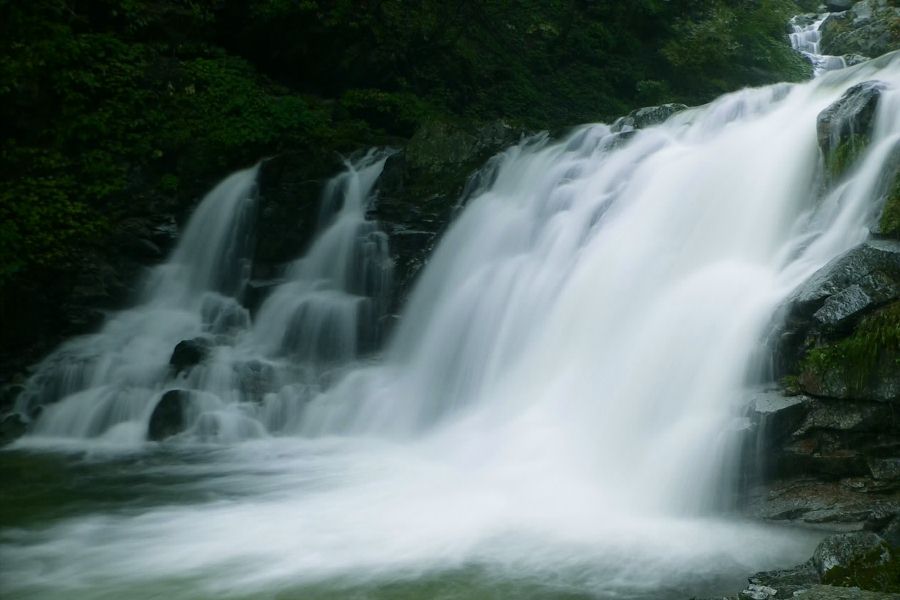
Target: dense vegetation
(115, 109)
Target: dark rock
(12, 427)
(645, 117)
(169, 416)
(784, 582)
(423, 185)
(870, 28)
(849, 504)
(831, 302)
(8, 396)
(778, 415)
(839, 5)
(845, 127)
(891, 534)
(885, 468)
(289, 189)
(829, 592)
(839, 552)
(839, 415)
(189, 353)
(439, 145)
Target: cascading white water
(105, 386)
(806, 37)
(558, 400)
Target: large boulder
(844, 558)
(839, 5)
(870, 28)
(189, 353)
(169, 417)
(844, 128)
(783, 583)
(864, 365)
(831, 303)
(646, 117)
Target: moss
(866, 573)
(858, 359)
(843, 156)
(890, 215)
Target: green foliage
(729, 43)
(116, 108)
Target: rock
(758, 592)
(169, 415)
(891, 534)
(886, 469)
(831, 302)
(777, 414)
(289, 187)
(849, 504)
(854, 59)
(8, 396)
(888, 224)
(423, 185)
(438, 145)
(645, 117)
(784, 582)
(828, 592)
(839, 5)
(870, 270)
(189, 353)
(839, 415)
(12, 427)
(841, 552)
(870, 28)
(845, 127)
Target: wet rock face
(646, 116)
(189, 353)
(832, 302)
(169, 416)
(289, 188)
(845, 128)
(839, 552)
(830, 592)
(422, 186)
(870, 28)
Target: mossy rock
(864, 365)
(889, 223)
(844, 129)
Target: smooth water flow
(557, 408)
(805, 38)
(323, 316)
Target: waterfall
(805, 38)
(559, 401)
(329, 310)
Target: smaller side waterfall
(806, 37)
(191, 350)
(332, 308)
